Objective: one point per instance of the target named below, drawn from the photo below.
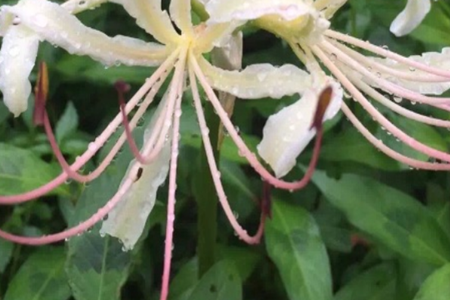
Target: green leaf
(21, 171)
(221, 282)
(97, 267)
(437, 286)
(185, 281)
(68, 122)
(350, 145)
(293, 242)
(41, 277)
(377, 283)
(389, 215)
(245, 259)
(6, 249)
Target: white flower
(304, 25)
(413, 14)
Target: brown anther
(41, 93)
(322, 105)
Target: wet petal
(76, 6)
(56, 25)
(288, 132)
(151, 18)
(414, 12)
(222, 11)
(180, 12)
(434, 59)
(17, 57)
(329, 7)
(258, 81)
(127, 220)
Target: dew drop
(14, 51)
(333, 56)
(398, 99)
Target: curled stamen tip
(121, 86)
(41, 93)
(322, 105)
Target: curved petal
(288, 132)
(180, 13)
(257, 81)
(222, 11)
(56, 25)
(76, 6)
(151, 18)
(435, 59)
(414, 12)
(17, 57)
(127, 220)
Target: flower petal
(76, 6)
(180, 13)
(151, 18)
(222, 11)
(257, 81)
(434, 59)
(17, 57)
(288, 132)
(414, 12)
(56, 25)
(127, 220)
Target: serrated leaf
(389, 215)
(41, 277)
(293, 242)
(437, 286)
(21, 171)
(68, 122)
(377, 283)
(221, 282)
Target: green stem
(207, 200)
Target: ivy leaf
(293, 242)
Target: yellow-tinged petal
(414, 12)
(76, 6)
(127, 220)
(56, 25)
(180, 12)
(257, 81)
(152, 19)
(289, 131)
(17, 57)
(222, 11)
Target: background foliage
(366, 228)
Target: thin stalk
(207, 199)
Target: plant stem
(207, 200)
